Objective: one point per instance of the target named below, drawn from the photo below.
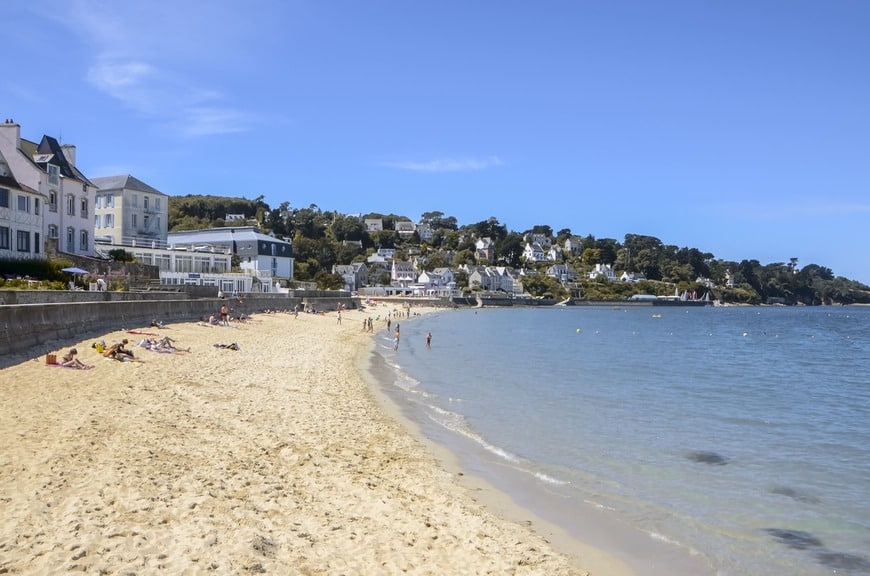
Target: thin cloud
(214, 121)
(447, 165)
(137, 63)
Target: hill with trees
(322, 239)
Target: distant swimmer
(429, 340)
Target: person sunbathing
(69, 360)
(118, 352)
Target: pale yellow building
(129, 212)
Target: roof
(49, 151)
(124, 182)
(220, 236)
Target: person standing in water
(429, 340)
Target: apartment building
(129, 212)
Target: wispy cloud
(141, 59)
(447, 165)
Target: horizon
(738, 129)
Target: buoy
(578, 330)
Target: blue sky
(741, 128)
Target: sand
(276, 458)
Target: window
(71, 205)
(53, 174)
(135, 220)
(36, 242)
(110, 201)
(36, 206)
(98, 202)
(157, 203)
(109, 221)
(23, 203)
(83, 240)
(52, 231)
(84, 207)
(52, 202)
(135, 200)
(23, 241)
(4, 238)
(145, 221)
(145, 202)
(71, 239)
(4, 198)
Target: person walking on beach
(396, 339)
(338, 317)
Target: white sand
(272, 459)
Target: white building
(129, 212)
(257, 252)
(49, 169)
(21, 224)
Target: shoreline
(276, 457)
(581, 555)
(596, 539)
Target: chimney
(11, 132)
(69, 151)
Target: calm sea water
(731, 441)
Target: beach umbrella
(74, 270)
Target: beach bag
(51, 359)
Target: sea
(683, 441)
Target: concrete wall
(35, 329)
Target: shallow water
(737, 439)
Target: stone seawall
(41, 328)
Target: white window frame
(53, 174)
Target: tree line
(323, 238)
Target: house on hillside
(373, 224)
(355, 275)
(405, 228)
(573, 245)
(484, 249)
(602, 272)
(534, 252)
(402, 273)
(562, 272)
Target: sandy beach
(275, 458)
